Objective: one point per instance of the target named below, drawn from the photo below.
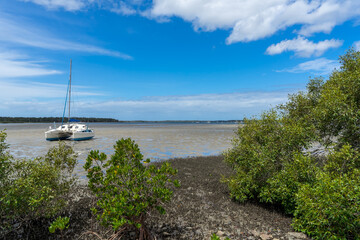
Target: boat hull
(56, 135)
(81, 136)
(74, 132)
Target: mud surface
(199, 208)
(202, 206)
(156, 141)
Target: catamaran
(73, 130)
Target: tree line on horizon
(51, 119)
(84, 119)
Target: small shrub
(60, 223)
(216, 237)
(330, 209)
(37, 187)
(5, 165)
(5, 172)
(126, 189)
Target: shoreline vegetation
(108, 120)
(199, 208)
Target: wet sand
(156, 141)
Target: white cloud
(256, 19)
(303, 47)
(21, 91)
(28, 35)
(202, 107)
(123, 8)
(357, 45)
(249, 20)
(13, 64)
(69, 5)
(321, 66)
(126, 7)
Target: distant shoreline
(106, 120)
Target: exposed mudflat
(157, 141)
(202, 206)
(199, 208)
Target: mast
(70, 89)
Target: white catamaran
(73, 130)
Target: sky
(167, 59)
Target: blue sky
(167, 59)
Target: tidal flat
(157, 141)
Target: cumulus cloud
(248, 20)
(16, 32)
(256, 19)
(321, 66)
(303, 47)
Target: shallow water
(156, 141)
